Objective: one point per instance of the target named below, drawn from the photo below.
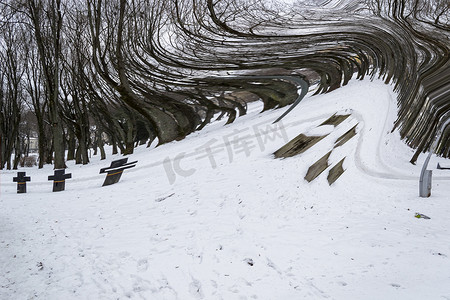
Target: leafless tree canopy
(130, 72)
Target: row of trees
(78, 72)
(40, 61)
(94, 69)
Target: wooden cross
(115, 170)
(59, 180)
(442, 167)
(21, 180)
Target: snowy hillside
(216, 216)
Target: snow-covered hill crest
(216, 216)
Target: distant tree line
(77, 73)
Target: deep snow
(215, 216)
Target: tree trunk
(84, 153)
(130, 139)
(114, 147)
(102, 148)
(78, 159)
(17, 154)
(41, 147)
(71, 146)
(8, 163)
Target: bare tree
(11, 92)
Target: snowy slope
(237, 223)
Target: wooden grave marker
(59, 180)
(115, 170)
(21, 180)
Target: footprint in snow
(249, 261)
(142, 265)
(124, 254)
(195, 288)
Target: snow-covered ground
(215, 216)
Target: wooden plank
(317, 168)
(345, 137)
(298, 145)
(335, 120)
(336, 172)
